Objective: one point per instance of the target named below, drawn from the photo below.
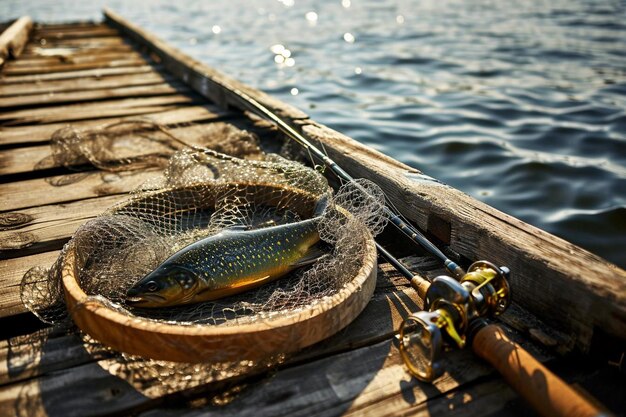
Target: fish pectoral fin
(231, 289)
(310, 257)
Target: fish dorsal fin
(310, 257)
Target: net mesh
(200, 192)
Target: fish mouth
(145, 300)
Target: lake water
(520, 104)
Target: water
(521, 105)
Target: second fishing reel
(449, 308)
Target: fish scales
(227, 263)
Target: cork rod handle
(546, 392)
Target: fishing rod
(407, 229)
(456, 310)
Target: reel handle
(547, 393)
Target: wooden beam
(97, 72)
(66, 188)
(82, 84)
(48, 227)
(81, 42)
(70, 57)
(43, 54)
(41, 133)
(101, 109)
(50, 68)
(13, 39)
(76, 33)
(11, 273)
(37, 158)
(91, 96)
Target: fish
(235, 260)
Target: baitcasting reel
(449, 307)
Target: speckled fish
(228, 263)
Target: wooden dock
(90, 74)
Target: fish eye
(152, 286)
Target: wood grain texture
(90, 42)
(49, 68)
(73, 53)
(49, 226)
(548, 394)
(66, 188)
(71, 58)
(11, 273)
(82, 84)
(73, 33)
(98, 72)
(95, 110)
(42, 133)
(37, 158)
(90, 96)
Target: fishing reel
(449, 308)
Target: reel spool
(449, 308)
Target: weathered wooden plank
(11, 273)
(102, 109)
(485, 397)
(82, 42)
(73, 33)
(73, 52)
(161, 89)
(98, 72)
(66, 188)
(591, 292)
(82, 84)
(200, 77)
(63, 67)
(73, 59)
(36, 158)
(14, 161)
(333, 385)
(49, 226)
(42, 133)
(14, 38)
(68, 26)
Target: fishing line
(393, 215)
